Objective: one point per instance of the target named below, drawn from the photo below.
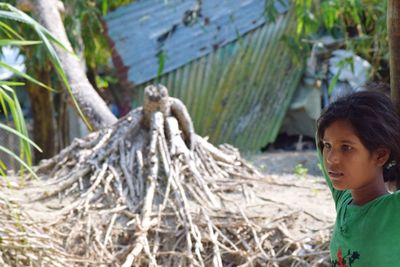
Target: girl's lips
(335, 175)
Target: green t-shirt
(367, 235)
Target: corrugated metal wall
(240, 93)
(144, 30)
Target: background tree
(8, 98)
(393, 25)
(50, 119)
(357, 25)
(38, 65)
(370, 28)
(93, 107)
(86, 30)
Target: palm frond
(21, 161)
(17, 42)
(21, 136)
(24, 75)
(9, 99)
(7, 11)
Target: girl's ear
(381, 156)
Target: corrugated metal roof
(144, 29)
(240, 92)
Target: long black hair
(375, 121)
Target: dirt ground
(306, 194)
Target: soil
(307, 193)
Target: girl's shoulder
(389, 202)
(383, 205)
(385, 209)
(380, 205)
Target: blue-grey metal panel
(143, 29)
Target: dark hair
(375, 121)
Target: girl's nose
(332, 157)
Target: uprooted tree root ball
(149, 191)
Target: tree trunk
(62, 120)
(393, 24)
(91, 104)
(42, 113)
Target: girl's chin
(339, 186)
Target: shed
(231, 66)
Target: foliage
(96, 52)
(86, 32)
(359, 25)
(300, 170)
(86, 29)
(10, 104)
(11, 13)
(8, 98)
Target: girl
(359, 137)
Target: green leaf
(161, 63)
(3, 167)
(3, 104)
(12, 154)
(101, 83)
(9, 31)
(271, 12)
(300, 170)
(4, 90)
(333, 82)
(46, 37)
(18, 117)
(20, 135)
(17, 15)
(11, 83)
(329, 14)
(300, 26)
(12, 16)
(24, 75)
(57, 64)
(17, 42)
(104, 7)
(20, 125)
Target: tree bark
(393, 25)
(62, 120)
(91, 104)
(42, 113)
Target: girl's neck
(368, 193)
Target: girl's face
(348, 162)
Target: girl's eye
(346, 148)
(327, 146)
